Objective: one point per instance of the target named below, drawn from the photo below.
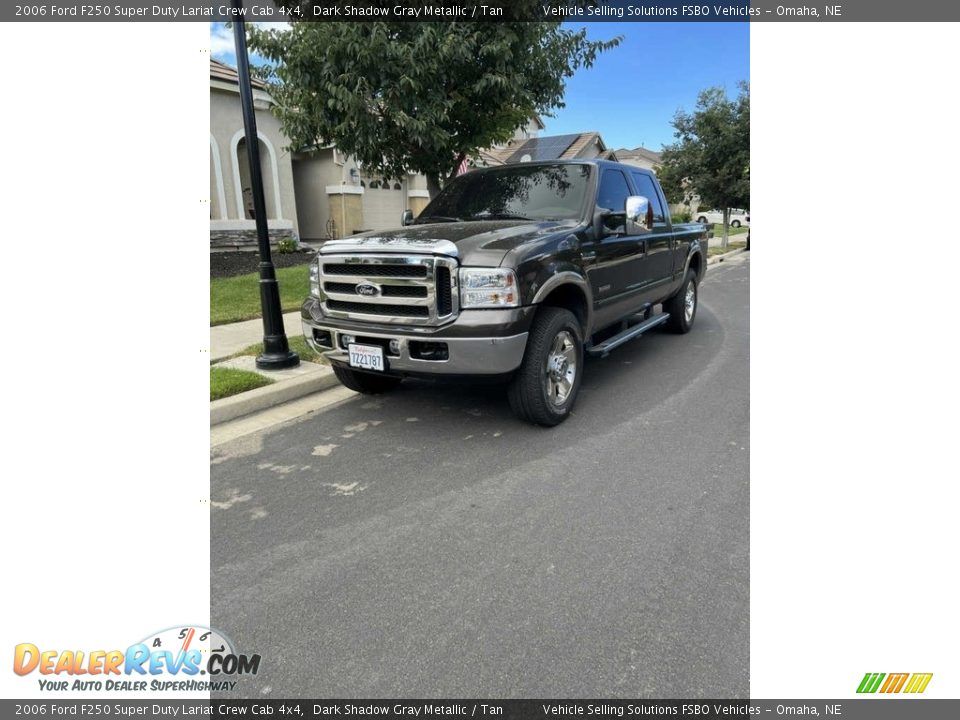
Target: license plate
(366, 357)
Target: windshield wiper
(498, 216)
(436, 219)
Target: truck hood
(481, 243)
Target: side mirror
(406, 218)
(639, 213)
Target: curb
(262, 398)
(720, 258)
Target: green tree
(711, 158)
(417, 97)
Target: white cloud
(221, 41)
(221, 38)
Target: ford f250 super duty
(515, 272)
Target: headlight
(315, 277)
(488, 288)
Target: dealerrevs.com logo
(910, 683)
(184, 659)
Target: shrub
(286, 246)
(681, 217)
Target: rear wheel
(702, 220)
(683, 306)
(364, 382)
(545, 387)
(735, 223)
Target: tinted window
(535, 192)
(646, 188)
(613, 192)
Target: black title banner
(486, 11)
(865, 709)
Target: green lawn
(225, 382)
(238, 298)
(718, 231)
(731, 246)
(298, 344)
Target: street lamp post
(276, 350)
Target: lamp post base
(276, 354)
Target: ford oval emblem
(367, 290)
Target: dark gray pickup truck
(514, 272)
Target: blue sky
(632, 92)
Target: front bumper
(478, 342)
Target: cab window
(613, 192)
(646, 188)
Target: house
(231, 204)
(639, 156)
(316, 194)
(549, 147)
(310, 195)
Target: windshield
(517, 192)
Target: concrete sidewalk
(286, 385)
(225, 340)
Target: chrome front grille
(399, 289)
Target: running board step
(604, 348)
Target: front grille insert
(444, 295)
(413, 291)
(406, 289)
(411, 271)
(379, 309)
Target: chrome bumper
(467, 355)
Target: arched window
(268, 171)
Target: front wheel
(364, 382)
(545, 387)
(735, 223)
(683, 306)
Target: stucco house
(317, 194)
(639, 156)
(231, 207)
(549, 147)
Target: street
(427, 544)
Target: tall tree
(711, 158)
(417, 97)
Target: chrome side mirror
(406, 218)
(639, 215)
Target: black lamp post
(276, 350)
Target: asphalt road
(426, 544)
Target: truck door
(615, 268)
(660, 242)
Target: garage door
(383, 204)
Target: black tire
(735, 223)
(679, 321)
(702, 220)
(530, 389)
(364, 382)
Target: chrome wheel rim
(561, 369)
(690, 301)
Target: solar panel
(544, 148)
